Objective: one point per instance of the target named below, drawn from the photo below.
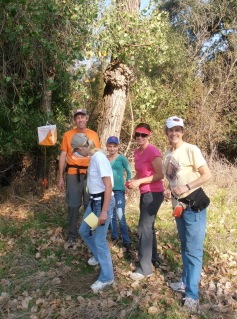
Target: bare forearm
(200, 181)
(107, 198)
(62, 161)
(151, 179)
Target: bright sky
(144, 4)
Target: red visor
(142, 130)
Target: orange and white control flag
(47, 135)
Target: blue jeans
(147, 250)
(191, 229)
(96, 240)
(119, 215)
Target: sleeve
(92, 135)
(103, 165)
(97, 141)
(155, 152)
(127, 167)
(197, 157)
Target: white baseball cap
(174, 121)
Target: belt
(78, 170)
(97, 196)
(183, 200)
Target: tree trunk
(128, 5)
(46, 105)
(117, 77)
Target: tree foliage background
(182, 55)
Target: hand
(127, 184)
(133, 183)
(167, 194)
(61, 184)
(180, 189)
(102, 219)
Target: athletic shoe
(114, 241)
(191, 305)
(71, 242)
(178, 286)
(99, 285)
(127, 247)
(137, 276)
(92, 261)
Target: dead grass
(224, 178)
(40, 278)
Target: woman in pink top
(149, 175)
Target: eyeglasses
(140, 134)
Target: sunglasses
(140, 134)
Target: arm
(62, 162)
(157, 176)
(107, 196)
(205, 175)
(127, 168)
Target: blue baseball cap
(112, 139)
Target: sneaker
(191, 305)
(127, 247)
(71, 242)
(137, 276)
(99, 285)
(178, 286)
(156, 263)
(114, 241)
(92, 261)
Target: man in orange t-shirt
(76, 168)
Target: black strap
(183, 200)
(93, 200)
(97, 195)
(78, 167)
(94, 196)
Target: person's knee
(120, 213)
(83, 232)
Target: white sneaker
(191, 305)
(137, 276)
(178, 286)
(99, 285)
(92, 261)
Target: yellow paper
(92, 220)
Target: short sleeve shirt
(74, 158)
(99, 167)
(181, 165)
(144, 168)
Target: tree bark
(46, 105)
(117, 77)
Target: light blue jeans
(119, 217)
(96, 240)
(191, 229)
